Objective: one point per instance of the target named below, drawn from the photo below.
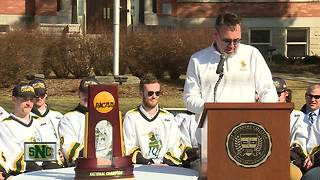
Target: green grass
(298, 88)
(67, 103)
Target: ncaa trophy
(103, 153)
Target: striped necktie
(312, 117)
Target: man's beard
(149, 105)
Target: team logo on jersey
(103, 102)
(243, 65)
(248, 145)
(155, 144)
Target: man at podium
(227, 71)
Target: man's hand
(60, 154)
(308, 163)
(1, 176)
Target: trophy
(103, 153)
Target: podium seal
(248, 145)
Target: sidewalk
(296, 77)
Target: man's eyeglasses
(228, 42)
(41, 96)
(312, 96)
(25, 99)
(151, 93)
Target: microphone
(223, 57)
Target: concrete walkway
(297, 77)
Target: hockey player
(72, 125)
(18, 128)
(4, 169)
(297, 130)
(41, 108)
(297, 126)
(151, 134)
(49, 118)
(188, 125)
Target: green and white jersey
(298, 129)
(48, 128)
(3, 114)
(188, 125)
(3, 165)
(13, 134)
(71, 131)
(154, 137)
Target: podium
(245, 141)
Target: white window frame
(306, 43)
(267, 52)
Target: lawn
(66, 103)
(63, 97)
(298, 88)
(128, 95)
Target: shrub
(137, 53)
(79, 56)
(55, 58)
(312, 59)
(20, 56)
(101, 54)
(184, 46)
(162, 50)
(156, 50)
(279, 59)
(124, 62)
(9, 70)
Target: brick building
(21, 13)
(288, 27)
(79, 15)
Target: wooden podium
(246, 141)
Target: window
(297, 42)
(246, 1)
(260, 36)
(261, 39)
(4, 28)
(154, 6)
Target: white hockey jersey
(71, 130)
(298, 129)
(47, 130)
(13, 134)
(154, 138)
(188, 125)
(3, 113)
(3, 165)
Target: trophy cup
(103, 153)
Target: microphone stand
(216, 87)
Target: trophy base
(88, 168)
